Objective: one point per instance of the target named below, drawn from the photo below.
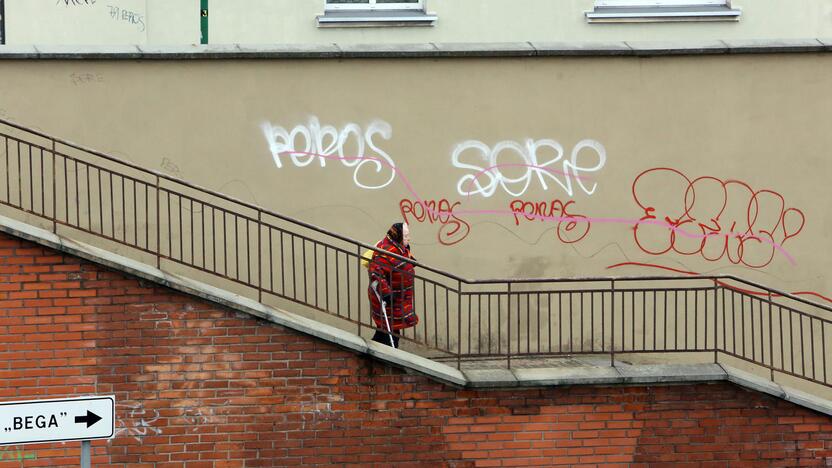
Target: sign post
(85, 454)
(39, 421)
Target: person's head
(399, 233)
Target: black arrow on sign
(91, 418)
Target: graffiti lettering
(306, 143)
(730, 219)
(571, 227)
(171, 168)
(82, 78)
(529, 162)
(453, 230)
(15, 453)
(138, 422)
(127, 16)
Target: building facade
(180, 179)
(183, 22)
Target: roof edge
(622, 374)
(415, 50)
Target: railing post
(508, 336)
(716, 312)
(612, 322)
(358, 285)
(771, 341)
(459, 324)
(260, 256)
(158, 226)
(54, 188)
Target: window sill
(366, 18)
(638, 14)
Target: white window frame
(371, 5)
(609, 11)
(660, 3)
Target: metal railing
(82, 192)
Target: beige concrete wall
(85, 22)
(747, 123)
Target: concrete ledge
(778, 46)
(567, 376)
(491, 378)
(554, 49)
(753, 382)
(497, 49)
(90, 52)
(420, 50)
(595, 375)
(438, 371)
(18, 52)
(387, 50)
(809, 401)
(218, 51)
(292, 51)
(672, 373)
(650, 48)
(761, 384)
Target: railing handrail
(777, 292)
(467, 281)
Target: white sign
(85, 418)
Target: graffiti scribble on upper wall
(75, 2)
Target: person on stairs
(391, 286)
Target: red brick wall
(201, 386)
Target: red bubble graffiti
(730, 220)
(571, 227)
(453, 229)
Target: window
(374, 5)
(340, 13)
(617, 11)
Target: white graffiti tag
(484, 162)
(306, 143)
(135, 421)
